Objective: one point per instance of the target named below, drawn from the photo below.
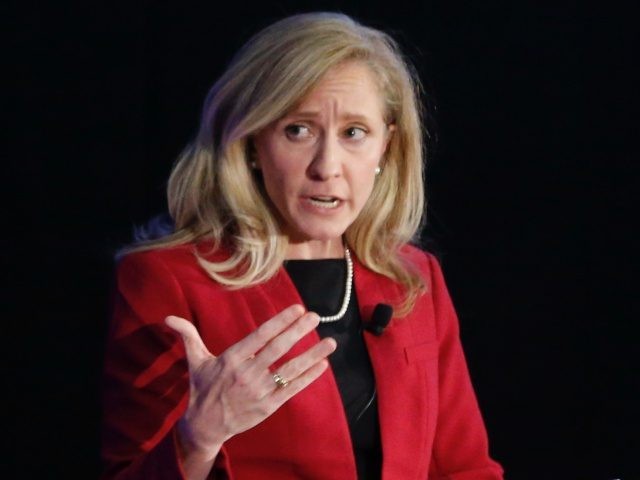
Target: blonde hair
(214, 195)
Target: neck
(316, 249)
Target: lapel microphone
(379, 319)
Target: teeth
(324, 202)
(324, 199)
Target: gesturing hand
(235, 391)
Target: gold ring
(280, 381)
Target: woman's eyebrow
(315, 114)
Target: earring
(253, 164)
(378, 170)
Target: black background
(530, 187)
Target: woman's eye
(297, 131)
(355, 133)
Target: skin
(318, 164)
(235, 391)
(328, 146)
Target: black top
(320, 284)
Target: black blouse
(320, 284)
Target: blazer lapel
(401, 388)
(320, 403)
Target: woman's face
(319, 161)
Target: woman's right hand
(235, 391)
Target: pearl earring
(378, 170)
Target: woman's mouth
(324, 202)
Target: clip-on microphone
(379, 319)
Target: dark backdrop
(529, 185)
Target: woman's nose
(327, 162)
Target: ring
(280, 381)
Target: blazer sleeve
(145, 383)
(460, 449)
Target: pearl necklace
(347, 291)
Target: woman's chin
(317, 235)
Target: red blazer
(430, 423)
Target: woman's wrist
(192, 450)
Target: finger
(300, 364)
(294, 367)
(194, 346)
(282, 343)
(253, 342)
(295, 386)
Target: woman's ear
(389, 133)
(391, 128)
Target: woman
(244, 345)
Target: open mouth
(324, 202)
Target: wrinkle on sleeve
(145, 383)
